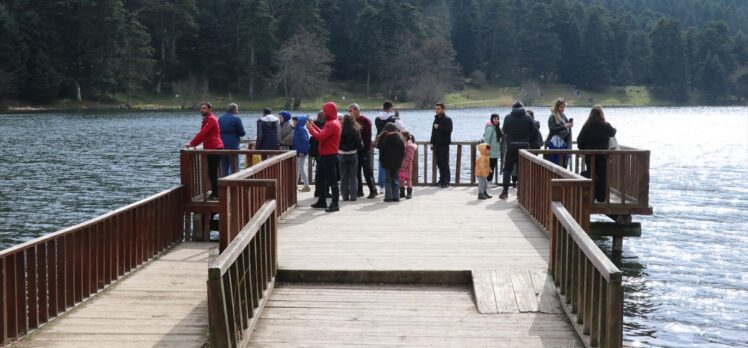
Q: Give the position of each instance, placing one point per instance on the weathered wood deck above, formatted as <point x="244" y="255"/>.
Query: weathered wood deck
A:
<point x="508" y="299"/>
<point x="163" y="304"/>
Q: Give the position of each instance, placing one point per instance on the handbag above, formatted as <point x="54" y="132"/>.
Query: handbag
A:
<point x="613" y="144"/>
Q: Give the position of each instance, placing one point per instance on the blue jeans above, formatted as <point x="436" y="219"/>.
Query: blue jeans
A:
<point x="226" y="169"/>
<point x="348" y="176"/>
<point x="380" y="172"/>
<point x="391" y="184"/>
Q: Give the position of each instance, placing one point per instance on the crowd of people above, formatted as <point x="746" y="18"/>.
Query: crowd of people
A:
<point x="341" y="147"/>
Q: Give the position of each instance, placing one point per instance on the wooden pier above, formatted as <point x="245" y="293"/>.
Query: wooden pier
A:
<point x="442" y="269"/>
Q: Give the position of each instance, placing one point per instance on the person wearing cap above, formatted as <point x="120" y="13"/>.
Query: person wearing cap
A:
<point x="329" y="145"/>
<point x="232" y="130"/>
<point x="285" y="137"/>
<point x="519" y="130"/>
<point x="210" y="137"/>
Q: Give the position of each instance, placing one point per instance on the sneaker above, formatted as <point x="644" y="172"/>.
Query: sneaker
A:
<point x="305" y="189"/>
<point x="504" y="195"/>
<point x="372" y="194"/>
<point x="482" y="196"/>
<point x="332" y="208"/>
<point x="319" y="205"/>
<point x="485" y="193"/>
<point x="213" y="197"/>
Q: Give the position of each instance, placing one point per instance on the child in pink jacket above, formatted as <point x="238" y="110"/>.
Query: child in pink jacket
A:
<point x="406" y="169"/>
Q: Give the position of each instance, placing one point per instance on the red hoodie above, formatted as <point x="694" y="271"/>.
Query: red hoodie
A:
<point x="209" y="135"/>
<point x="329" y="135"/>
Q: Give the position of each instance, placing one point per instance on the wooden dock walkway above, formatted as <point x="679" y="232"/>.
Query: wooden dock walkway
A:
<point x="162" y="304"/>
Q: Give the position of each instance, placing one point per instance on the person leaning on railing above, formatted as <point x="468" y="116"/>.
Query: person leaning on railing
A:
<point x="595" y="135"/>
<point x="210" y="137"/>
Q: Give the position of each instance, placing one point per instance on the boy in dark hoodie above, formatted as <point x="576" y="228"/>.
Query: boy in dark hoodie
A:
<point x="301" y="145"/>
<point x="329" y="142"/>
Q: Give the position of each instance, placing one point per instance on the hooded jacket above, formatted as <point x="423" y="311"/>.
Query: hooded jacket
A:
<point x="268" y="129"/>
<point x="231" y="130"/>
<point x="387" y="117"/>
<point x="406" y="168"/>
<point x="483" y="163"/>
<point x="329" y="136"/>
<point x="209" y="135"/>
<point x="286" y="129"/>
<point x="518" y="127"/>
<point x="300" y="136"/>
<point x="492" y="139"/>
<point x="391" y="151"/>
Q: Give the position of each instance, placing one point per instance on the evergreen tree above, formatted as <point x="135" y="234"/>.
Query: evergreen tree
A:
<point x="639" y="57"/>
<point x="540" y="46"/>
<point x="713" y="84"/>
<point x="669" y="69"/>
<point x="497" y="39"/>
<point x="465" y="34"/>
<point x="258" y="43"/>
<point x="135" y="63"/>
<point x="595" y="73"/>
<point x="11" y="54"/>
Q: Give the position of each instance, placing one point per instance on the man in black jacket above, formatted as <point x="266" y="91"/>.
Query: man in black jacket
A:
<point x="519" y="130"/>
<point x="441" y="137"/>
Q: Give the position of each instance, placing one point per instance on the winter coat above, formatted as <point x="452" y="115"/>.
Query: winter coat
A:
<point x="313" y="143"/>
<point x="443" y="134"/>
<point x="268" y="128"/>
<point x="350" y="140"/>
<point x="301" y="136"/>
<point x="209" y="135"/>
<point x="391" y="150"/>
<point x="286" y="129"/>
<point x="595" y="136"/>
<point x="365" y="124"/>
<point x="518" y="127"/>
<point x="329" y="136"/>
<point x="406" y="168"/>
<point x="231" y="130"/>
<point x="387" y="117"/>
<point x="492" y="139"/>
<point x="483" y="162"/>
<point x="559" y="129"/>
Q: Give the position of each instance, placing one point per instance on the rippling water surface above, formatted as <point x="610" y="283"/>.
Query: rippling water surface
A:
<point x="686" y="278"/>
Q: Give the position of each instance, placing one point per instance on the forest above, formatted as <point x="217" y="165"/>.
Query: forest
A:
<point x="416" y="50"/>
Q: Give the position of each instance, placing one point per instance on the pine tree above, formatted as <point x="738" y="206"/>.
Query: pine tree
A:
<point x="595" y="74"/>
<point x="669" y="69"/>
<point x="135" y="63"/>
<point x="540" y="46"/>
<point x="713" y="80"/>
<point x="465" y="34"/>
<point x="258" y="43"/>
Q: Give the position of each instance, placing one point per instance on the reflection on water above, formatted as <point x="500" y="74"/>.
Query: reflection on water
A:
<point x="685" y="279"/>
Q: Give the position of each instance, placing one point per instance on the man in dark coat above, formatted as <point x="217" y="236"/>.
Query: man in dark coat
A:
<point x="519" y="130"/>
<point x="441" y="137"/>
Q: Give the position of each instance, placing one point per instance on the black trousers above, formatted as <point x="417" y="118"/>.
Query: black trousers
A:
<point x="600" y="176"/>
<point x="364" y="167"/>
<point x="329" y="178"/>
<point x="510" y="160"/>
<point x="214" y="162"/>
<point x="441" y="156"/>
<point x="494" y="162"/>
<point x="318" y="182"/>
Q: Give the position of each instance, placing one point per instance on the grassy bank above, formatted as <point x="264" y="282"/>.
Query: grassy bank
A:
<point x="470" y="97"/>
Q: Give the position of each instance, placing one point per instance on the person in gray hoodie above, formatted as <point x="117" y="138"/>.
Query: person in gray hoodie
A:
<point x="285" y="137"/>
<point x="268" y="129"/>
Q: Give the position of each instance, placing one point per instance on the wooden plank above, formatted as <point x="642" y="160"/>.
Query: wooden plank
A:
<point x="524" y="291"/>
<point x="503" y="290"/>
<point x="545" y="292"/>
<point x="483" y="291"/>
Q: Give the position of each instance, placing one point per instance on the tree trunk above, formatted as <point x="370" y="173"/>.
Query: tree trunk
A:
<point x="78" y="96"/>
<point x="158" y="83"/>
<point x="252" y="72"/>
<point x="368" y="81"/>
<point x="296" y="103"/>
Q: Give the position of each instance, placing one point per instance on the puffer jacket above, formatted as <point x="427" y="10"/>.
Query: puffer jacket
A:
<point x="407" y="167"/>
<point x="492" y="139"/>
<point x="268" y="129"/>
<point x="286" y="129"/>
<point x="329" y="136"/>
<point x="391" y="150"/>
<point x="483" y="163"/>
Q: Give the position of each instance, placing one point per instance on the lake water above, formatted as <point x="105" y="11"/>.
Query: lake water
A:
<point x="686" y="278"/>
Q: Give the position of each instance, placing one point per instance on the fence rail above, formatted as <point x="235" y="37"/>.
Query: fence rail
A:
<point x="241" y="279"/>
<point x="46" y="276"/>
<point x="589" y="283"/>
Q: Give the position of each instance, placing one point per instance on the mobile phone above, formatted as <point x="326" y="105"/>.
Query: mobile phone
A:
<point x="571" y="120"/>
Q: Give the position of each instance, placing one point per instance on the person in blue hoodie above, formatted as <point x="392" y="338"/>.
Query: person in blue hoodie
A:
<point x="232" y="130"/>
<point x="301" y="144"/>
<point x="268" y="130"/>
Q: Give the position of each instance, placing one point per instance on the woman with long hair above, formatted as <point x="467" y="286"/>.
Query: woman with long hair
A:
<point x="350" y="144"/>
<point x="559" y="136"/>
<point x="595" y="135"/>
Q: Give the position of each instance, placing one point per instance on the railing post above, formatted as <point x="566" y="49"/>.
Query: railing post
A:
<point x="217" y="316"/>
<point x="614" y="311"/>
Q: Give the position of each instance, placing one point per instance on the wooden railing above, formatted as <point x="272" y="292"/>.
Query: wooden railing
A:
<point x="47" y="276"/>
<point x="194" y="168"/>
<point x="627" y="178"/>
<point x="241" y="279"/>
<point x="589" y="283"/>
<point x="539" y="179"/>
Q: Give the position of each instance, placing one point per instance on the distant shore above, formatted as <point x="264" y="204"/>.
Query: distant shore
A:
<point x="471" y="97"/>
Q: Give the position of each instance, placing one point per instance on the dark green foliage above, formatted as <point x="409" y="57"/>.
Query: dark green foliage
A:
<point x="97" y="49"/>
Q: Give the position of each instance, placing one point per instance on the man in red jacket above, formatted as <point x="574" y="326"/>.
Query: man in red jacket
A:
<point x="210" y="137"/>
<point x="329" y="140"/>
